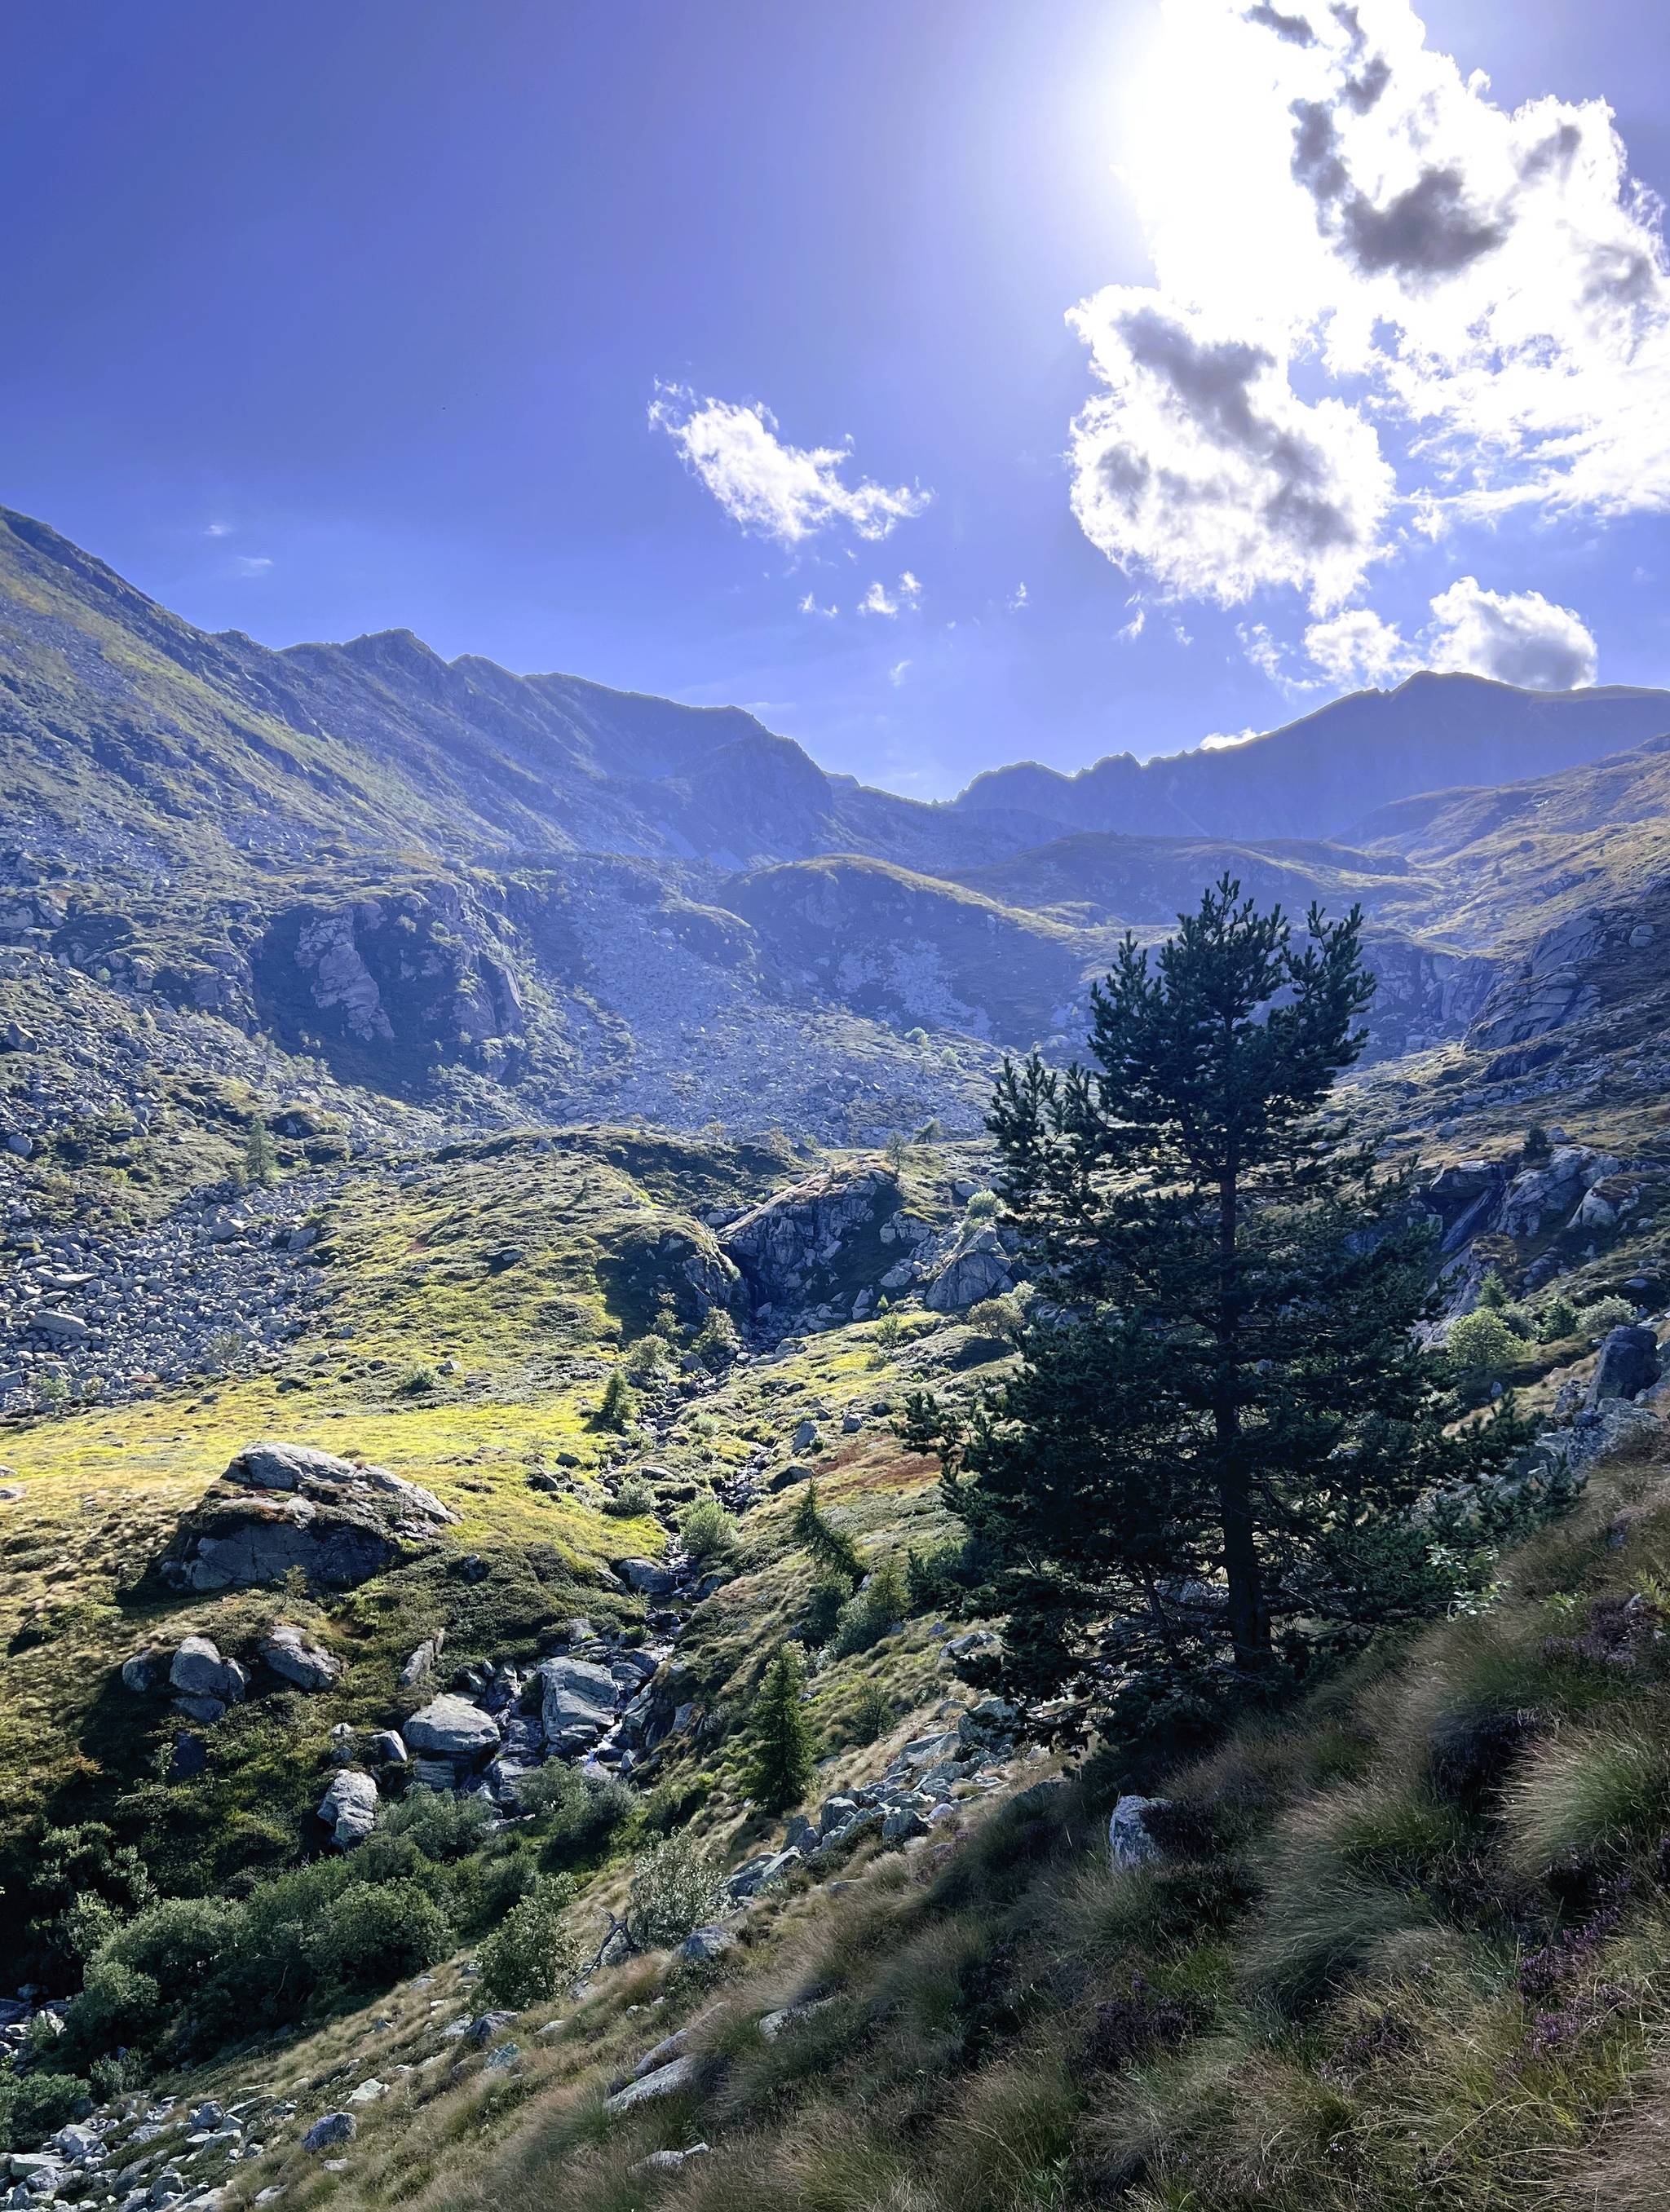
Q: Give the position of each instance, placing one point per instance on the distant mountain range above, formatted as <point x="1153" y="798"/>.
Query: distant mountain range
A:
<point x="547" y="895"/>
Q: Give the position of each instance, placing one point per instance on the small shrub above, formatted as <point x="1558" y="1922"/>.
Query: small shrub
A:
<point x="1004" y="1317"/>
<point x="872" y="1713"/>
<point x="618" y="1407"/>
<point x="650" y="1359"/>
<point x="36" y="2105"/>
<point x="1481" y="1343"/>
<point x="440" y="1826"/>
<point x="632" y="1499"/>
<point x="675" y="1888"/>
<point x="1605" y="1315"/>
<point x="1559" y="1320"/>
<point x="983" y="1205"/>
<point x="417" y="1382"/>
<point x="574" y="1809"/>
<point x="532" y="1957"/>
<point x="817" y="1623"/>
<point x="717" y="1342"/>
<point x="707" y="1532"/>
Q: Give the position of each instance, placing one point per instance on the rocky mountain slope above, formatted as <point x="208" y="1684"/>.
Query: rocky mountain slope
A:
<point x="494" y="897"/>
<point x="471" y="1207"/>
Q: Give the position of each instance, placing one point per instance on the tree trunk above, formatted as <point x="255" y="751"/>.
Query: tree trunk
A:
<point x="1249" y="1628"/>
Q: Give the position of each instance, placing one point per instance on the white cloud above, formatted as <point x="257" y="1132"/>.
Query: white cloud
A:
<point x="895" y="675"/>
<point x="879" y="600"/>
<point x="787" y="492"/>
<point x="1382" y="303"/>
<point x="1222" y="741"/>
<point x="1134" y="628"/>
<point x="809" y="606"/>
<point x="1357" y="649"/>
<point x="251" y="564"/>
<point x="217" y="530"/>
<point x="1199" y="464"/>
<point x="1017" y="598"/>
<point x="1517" y="637"/>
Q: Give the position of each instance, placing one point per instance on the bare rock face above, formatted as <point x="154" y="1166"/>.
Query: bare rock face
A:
<point x="819" y="1242"/>
<point x="451" y="1728"/>
<point x="1629" y="1363"/>
<point x="979" y="1268"/>
<point x="284" y="1506"/>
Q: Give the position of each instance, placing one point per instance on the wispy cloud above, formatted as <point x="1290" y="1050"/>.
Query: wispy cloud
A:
<point x="251" y="564"/>
<point x="809" y="606"/>
<point x="1017" y="598"/>
<point x="895" y="675"/>
<point x="764" y="484"/>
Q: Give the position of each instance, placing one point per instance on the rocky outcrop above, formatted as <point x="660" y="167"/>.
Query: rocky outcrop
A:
<point x="823" y="1248"/>
<point x="980" y="1265"/>
<point x="280" y="1508"/>
<point x="203" y="1683"/>
<point x="1629" y="1364"/>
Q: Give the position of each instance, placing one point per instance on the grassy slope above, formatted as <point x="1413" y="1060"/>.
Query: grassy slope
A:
<point x="1410" y="1947"/>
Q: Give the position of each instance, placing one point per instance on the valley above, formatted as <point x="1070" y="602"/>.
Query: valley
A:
<point x="484" y="1163"/>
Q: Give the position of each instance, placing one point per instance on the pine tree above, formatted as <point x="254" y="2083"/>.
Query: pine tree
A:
<point x="260" y="1156"/>
<point x="831" y="1548"/>
<point x="1207" y="1464"/>
<point x="619" y="1408"/>
<point x="782" y="1767"/>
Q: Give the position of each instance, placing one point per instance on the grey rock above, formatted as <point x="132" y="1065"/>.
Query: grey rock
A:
<point x="451" y="1728"/>
<point x="333" y="2129"/>
<point x="289" y="1651"/>
<point x="575" y="1694"/>
<point x="666" y="2081"/>
<point x="1629" y="1363"/>
<point x="199" y="1671"/>
<point x="348" y="1807"/>
<point x="702" y="1946"/>
<point x="1129" y="1843"/>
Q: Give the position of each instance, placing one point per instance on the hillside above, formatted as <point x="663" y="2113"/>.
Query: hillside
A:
<point x="482" y="1161"/>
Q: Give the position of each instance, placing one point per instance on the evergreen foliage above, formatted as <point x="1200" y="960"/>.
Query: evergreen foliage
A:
<point x="1206" y="1470"/>
<point x="832" y="1550"/>
<point x="780" y="1769"/>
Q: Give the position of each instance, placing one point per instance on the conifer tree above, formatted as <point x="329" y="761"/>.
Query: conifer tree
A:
<point x="260" y="1156"/>
<point x="830" y="1547"/>
<point x="1209" y="1461"/>
<point x="781" y="1766"/>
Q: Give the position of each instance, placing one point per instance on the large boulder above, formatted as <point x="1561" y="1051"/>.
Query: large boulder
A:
<point x="348" y="1807"/>
<point x="279" y="1507"/>
<point x="979" y="1267"/>
<point x="577" y="1701"/>
<point x="291" y="1652"/>
<point x="1130" y="1844"/>
<point x="451" y="1728"/>
<point x="1629" y="1363"/>
<point x="198" y="1672"/>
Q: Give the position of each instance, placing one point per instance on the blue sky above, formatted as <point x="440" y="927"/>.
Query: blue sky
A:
<point x="325" y="318"/>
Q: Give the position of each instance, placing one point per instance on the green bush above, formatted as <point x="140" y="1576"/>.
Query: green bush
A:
<point x="1558" y="1321"/>
<point x="1482" y="1344"/>
<point x="707" y="1532"/>
<point x="1004" y="1317"/>
<point x="618" y="1407"/>
<point x="633" y="1499"/>
<point x="375" y="1933"/>
<point x="574" y="1809"/>
<point x="532" y="1957"/>
<point x="717" y="1343"/>
<point x="650" y="1359"/>
<point x="817" y="1623"/>
<point x="675" y="1887"/>
<point x="983" y="1205"/>
<point x="441" y="1826"/>
<point x="34" y="2106"/>
<point x="1605" y="1315"/>
<point x="872" y="1713"/>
